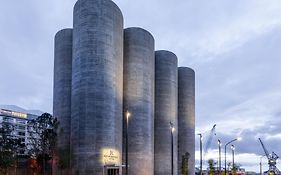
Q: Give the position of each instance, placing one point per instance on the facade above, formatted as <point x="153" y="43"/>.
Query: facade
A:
<point x="19" y="120"/>
<point x="186" y="118"/>
<point x="97" y="87"/>
<point x="166" y="108"/>
<point x="62" y="88"/>
<point x="138" y="98"/>
<point x="101" y="72"/>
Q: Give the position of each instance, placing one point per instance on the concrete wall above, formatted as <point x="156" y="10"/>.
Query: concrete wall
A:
<point x="88" y="95"/>
<point x="186" y="116"/>
<point x="139" y="73"/>
<point x="166" y="107"/>
<point x="97" y="85"/>
<point x="62" y="87"/>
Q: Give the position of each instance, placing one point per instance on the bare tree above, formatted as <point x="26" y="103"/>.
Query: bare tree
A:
<point x="9" y="147"/>
<point x="43" y="139"/>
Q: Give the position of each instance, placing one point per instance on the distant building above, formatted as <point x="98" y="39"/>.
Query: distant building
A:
<point x="18" y="118"/>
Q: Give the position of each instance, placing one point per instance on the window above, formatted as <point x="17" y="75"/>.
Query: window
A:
<point x="21" y="133"/>
<point x="21" y="127"/>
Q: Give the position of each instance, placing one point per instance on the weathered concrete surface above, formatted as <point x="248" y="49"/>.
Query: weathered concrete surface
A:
<point x="186" y="116"/>
<point x="97" y="84"/>
<point x="166" y="107"/>
<point x="62" y="87"/>
<point x="139" y="67"/>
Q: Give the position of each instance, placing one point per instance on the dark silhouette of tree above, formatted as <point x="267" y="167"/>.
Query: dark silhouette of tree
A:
<point x="184" y="165"/>
<point x="43" y="139"/>
<point x="211" y="163"/>
<point x="235" y="167"/>
<point x="9" y="147"/>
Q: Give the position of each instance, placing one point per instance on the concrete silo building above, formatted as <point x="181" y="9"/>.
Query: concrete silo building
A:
<point x="186" y="118"/>
<point x="100" y="72"/>
<point x="139" y="99"/>
<point x="97" y="87"/>
<point x="166" y="107"/>
<point x="62" y="88"/>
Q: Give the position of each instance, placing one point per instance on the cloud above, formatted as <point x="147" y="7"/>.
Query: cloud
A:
<point x="27" y="50"/>
<point x="253" y="20"/>
<point x="234" y="47"/>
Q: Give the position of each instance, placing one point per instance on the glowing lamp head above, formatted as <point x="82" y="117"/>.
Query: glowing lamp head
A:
<point x="128" y="114"/>
<point x="173" y="129"/>
<point x="239" y="138"/>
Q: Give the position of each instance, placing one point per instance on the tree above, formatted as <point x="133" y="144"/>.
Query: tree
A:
<point x="211" y="163"/>
<point x="184" y="165"/>
<point x="9" y="146"/>
<point x="235" y="167"/>
<point x="43" y="139"/>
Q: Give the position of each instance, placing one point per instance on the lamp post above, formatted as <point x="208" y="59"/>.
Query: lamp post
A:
<point x="200" y="136"/>
<point x="233" y="148"/>
<point x="225" y="151"/>
<point x="261" y="164"/>
<point x="172" y="147"/>
<point x="127" y="124"/>
<point x="219" y="143"/>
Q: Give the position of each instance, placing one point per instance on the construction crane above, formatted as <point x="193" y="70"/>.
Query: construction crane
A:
<point x="208" y="143"/>
<point x="272" y="158"/>
<point x="209" y="140"/>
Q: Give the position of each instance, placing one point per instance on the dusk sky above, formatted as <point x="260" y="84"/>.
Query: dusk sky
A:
<point x="233" y="46"/>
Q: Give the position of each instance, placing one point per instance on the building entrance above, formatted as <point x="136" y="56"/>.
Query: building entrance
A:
<point x="112" y="170"/>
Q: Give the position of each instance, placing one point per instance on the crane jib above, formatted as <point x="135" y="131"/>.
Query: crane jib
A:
<point x="272" y="158"/>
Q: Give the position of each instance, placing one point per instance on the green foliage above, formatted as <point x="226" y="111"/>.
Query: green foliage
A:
<point x="234" y="169"/>
<point x="43" y="133"/>
<point x="9" y="146"/>
<point x="211" y="166"/>
<point x="184" y="165"/>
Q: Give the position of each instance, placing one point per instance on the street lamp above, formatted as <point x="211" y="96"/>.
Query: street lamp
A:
<point x="127" y="115"/>
<point x="172" y="146"/>
<point x="239" y="138"/>
<point x="200" y="136"/>
<point x="219" y="143"/>
<point x="233" y="148"/>
<point x="261" y="164"/>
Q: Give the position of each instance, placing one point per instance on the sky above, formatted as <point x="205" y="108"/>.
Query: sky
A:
<point x="233" y="46"/>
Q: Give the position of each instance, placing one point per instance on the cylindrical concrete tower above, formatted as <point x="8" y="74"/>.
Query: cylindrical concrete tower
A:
<point x="139" y="64"/>
<point x="97" y="87"/>
<point x="166" y="107"/>
<point x="62" y="88"/>
<point x="186" y="118"/>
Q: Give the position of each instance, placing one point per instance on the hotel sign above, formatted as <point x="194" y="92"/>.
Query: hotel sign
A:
<point x="13" y="113"/>
<point x="110" y="157"/>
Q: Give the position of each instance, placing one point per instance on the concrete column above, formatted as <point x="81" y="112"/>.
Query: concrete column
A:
<point x="139" y="73"/>
<point x="62" y="90"/>
<point x="97" y="86"/>
<point x="186" y="116"/>
<point x="166" y="107"/>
